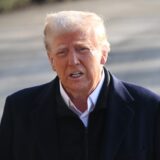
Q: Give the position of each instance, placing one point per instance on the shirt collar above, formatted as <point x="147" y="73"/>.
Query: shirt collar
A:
<point x="91" y="101"/>
<point x="94" y="95"/>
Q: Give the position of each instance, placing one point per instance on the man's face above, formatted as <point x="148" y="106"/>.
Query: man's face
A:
<point x="78" y="61"/>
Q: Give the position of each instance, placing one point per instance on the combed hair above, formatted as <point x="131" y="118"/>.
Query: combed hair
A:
<point x="71" y="21"/>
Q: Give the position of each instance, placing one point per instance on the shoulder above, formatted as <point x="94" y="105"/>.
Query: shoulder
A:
<point x="145" y="101"/>
<point x="142" y="97"/>
<point x="136" y="91"/>
<point x="29" y="93"/>
<point x="28" y="96"/>
<point x="141" y="92"/>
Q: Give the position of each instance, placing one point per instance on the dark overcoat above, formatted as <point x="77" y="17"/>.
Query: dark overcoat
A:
<point x="132" y="129"/>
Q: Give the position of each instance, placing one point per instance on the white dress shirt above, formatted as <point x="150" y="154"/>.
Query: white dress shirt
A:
<point x="91" y="101"/>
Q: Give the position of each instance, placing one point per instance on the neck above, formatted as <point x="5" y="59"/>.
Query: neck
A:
<point x="80" y="101"/>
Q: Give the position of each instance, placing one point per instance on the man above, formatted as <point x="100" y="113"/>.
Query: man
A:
<point x="85" y="113"/>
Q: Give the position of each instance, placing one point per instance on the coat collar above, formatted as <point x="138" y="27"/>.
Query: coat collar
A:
<point x="119" y="117"/>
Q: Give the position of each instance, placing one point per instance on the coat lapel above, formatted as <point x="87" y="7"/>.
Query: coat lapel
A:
<point x="119" y="117"/>
<point x="44" y="124"/>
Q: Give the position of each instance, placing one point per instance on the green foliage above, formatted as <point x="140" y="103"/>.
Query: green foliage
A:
<point x="6" y="5"/>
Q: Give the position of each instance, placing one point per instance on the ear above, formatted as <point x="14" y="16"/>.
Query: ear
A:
<point x="104" y="55"/>
<point x="50" y="57"/>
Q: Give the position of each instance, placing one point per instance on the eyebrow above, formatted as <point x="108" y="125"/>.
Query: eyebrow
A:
<point x="80" y="43"/>
<point x="60" y="47"/>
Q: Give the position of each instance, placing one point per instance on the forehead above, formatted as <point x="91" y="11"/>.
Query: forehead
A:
<point x="77" y="37"/>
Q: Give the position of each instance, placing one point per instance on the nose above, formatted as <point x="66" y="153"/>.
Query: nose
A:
<point x="73" y="58"/>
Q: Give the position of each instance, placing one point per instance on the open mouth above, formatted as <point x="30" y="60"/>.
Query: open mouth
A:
<point x="76" y="74"/>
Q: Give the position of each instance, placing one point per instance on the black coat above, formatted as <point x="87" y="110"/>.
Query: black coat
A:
<point x="132" y="132"/>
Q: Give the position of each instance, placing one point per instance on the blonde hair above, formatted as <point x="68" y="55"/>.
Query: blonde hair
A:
<point x="70" y="21"/>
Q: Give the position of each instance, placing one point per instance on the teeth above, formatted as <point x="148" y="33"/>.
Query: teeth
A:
<point x="76" y="74"/>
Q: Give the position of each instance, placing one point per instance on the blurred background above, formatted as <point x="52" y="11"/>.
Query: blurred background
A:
<point x="133" y="28"/>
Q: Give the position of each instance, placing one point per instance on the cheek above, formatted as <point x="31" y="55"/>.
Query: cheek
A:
<point x="96" y="67"/>
<point x="57" y="64"/>
<point x="92" y="63"/>
<point x="60" y="69"/>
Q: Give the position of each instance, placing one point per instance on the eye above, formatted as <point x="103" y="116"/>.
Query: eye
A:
<point x="83" y="49"/>
<point x="61" y="53"/>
